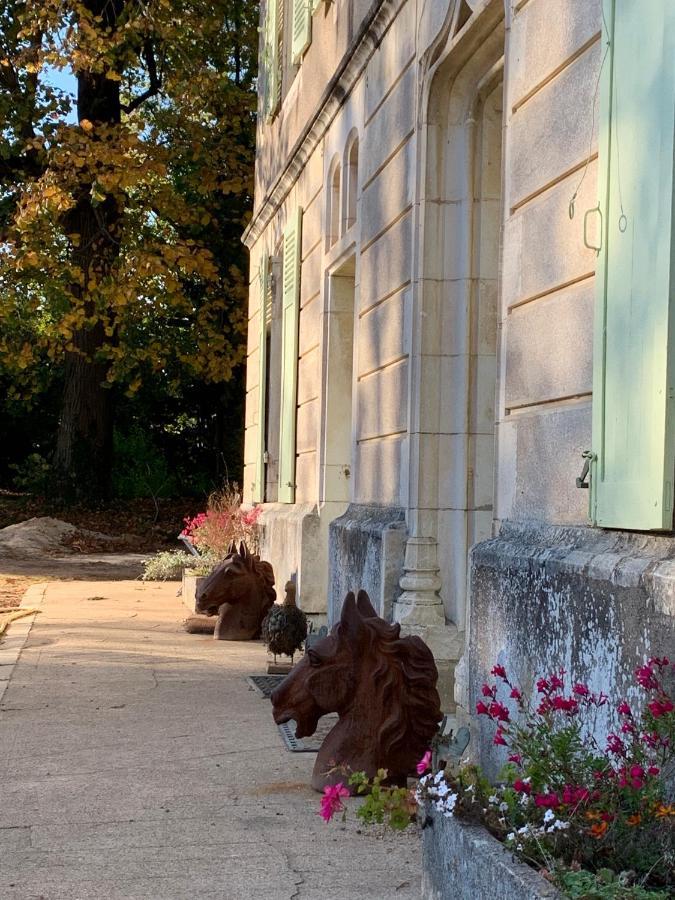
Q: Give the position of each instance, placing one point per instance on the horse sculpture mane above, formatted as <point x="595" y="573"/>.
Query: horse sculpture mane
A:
<point x="382" y="686"/>
<point x="240" y="591"/>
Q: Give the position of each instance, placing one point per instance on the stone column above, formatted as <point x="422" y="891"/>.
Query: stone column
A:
<point x="419" y="611"/>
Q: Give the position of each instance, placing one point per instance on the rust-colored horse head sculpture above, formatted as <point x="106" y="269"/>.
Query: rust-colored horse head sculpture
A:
<point x="240" y="591"/>
<point x="382" y="686"/>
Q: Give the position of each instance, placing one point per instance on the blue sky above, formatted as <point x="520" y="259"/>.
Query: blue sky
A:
<point x="65" y="81"/>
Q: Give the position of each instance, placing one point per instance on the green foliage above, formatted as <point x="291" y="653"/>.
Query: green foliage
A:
<point x="168" y="565"/>
<point x="603" y="885"/>
<point x="32" y="474"/>
<point x="141" y="470"/>
<point x="383" y="803"/>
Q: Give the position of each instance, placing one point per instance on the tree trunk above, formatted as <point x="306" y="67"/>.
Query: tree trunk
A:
<point x="83" y="457"/>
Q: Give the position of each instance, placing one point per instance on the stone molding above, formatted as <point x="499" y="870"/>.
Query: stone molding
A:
<point x="352" y="65"/>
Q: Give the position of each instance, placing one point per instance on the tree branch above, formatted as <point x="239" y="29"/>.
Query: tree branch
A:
<point x="155" y="80"/>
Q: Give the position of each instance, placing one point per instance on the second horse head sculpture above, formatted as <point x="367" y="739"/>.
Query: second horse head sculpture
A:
<point x="382" y="686"/>
<point x="240" y="591"/>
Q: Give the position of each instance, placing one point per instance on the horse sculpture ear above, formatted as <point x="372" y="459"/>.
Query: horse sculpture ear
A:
<point x="232" y="550"/>
<point x="350" y="618"/>
<point x="364" y="606"/>
<point x="243" y="550"/>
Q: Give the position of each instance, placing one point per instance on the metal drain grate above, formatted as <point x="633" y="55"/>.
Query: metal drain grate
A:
<point x="265" y="684"/>
<point x="298" y="745"/>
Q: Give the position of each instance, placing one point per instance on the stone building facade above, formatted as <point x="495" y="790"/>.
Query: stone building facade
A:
<point x="459" y="205"/>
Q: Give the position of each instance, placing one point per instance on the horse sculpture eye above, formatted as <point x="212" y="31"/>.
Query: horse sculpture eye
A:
<point x="314" y="658"/>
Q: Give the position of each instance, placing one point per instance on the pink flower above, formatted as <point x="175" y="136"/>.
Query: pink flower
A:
<point x="653" y="770"/>
<point x="331" y="802"/>
<point x="660" y="662"/>
<point x="499" y="738"/>
<point x="499" y="671"/>
<point x="581" y="690"/>
<point x="482" y="709"/>
<point x="571" y="795"/>
<point x="636" y="771"/>
<point x="488" y="691"/>
<point x="567" y="705"/>
<point x="516" y="758"/>
<point x="523" y="787"/>
<point x="515" y="694"/>
<point x="424" y="763"/>
<point x="557" y="682"/>
<point x="543" y="686"/>
<point x="499" y="711"/>
<point x="624" y="709"/>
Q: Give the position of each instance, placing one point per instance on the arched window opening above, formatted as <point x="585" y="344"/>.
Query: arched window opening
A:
<point x="352" y="184"/>
<point x="333" y="205"/>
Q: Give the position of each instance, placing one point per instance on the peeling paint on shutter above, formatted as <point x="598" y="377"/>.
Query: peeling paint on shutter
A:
<point x="302" y="27"/>
<point x="634" y="354"/>
<point x="262" y="288"/>
<point x="289" y="357"/>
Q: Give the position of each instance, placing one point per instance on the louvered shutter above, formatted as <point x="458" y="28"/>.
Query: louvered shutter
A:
<point x="272" y="73"/>
<point x="263" y="291"/>
<point x="634" y="384"/>
<point x="302" y="27"/>
<point x="289" y="357"/>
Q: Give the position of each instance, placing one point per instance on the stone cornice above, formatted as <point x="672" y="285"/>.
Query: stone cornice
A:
<point x="371" y="31"/>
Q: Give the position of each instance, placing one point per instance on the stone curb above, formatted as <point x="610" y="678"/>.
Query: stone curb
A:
<point x="17" y="635"/>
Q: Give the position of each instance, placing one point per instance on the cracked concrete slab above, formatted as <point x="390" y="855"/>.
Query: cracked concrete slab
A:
<point x="139" y="764"/>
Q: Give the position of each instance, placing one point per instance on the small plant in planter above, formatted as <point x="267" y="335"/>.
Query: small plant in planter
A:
<point x="224" y="523"/>
<point x="596" y="821"/>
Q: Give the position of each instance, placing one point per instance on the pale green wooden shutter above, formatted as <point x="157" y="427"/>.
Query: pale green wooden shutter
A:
<point x="634" y="385"/>
<point x="263" y="290"/>
<point x="272" y="72"/>
<point x="289" y="357"/>
<point x="302" y="27"/>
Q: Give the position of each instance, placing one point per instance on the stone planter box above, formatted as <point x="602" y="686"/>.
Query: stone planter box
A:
<point x="189" y="591"/>
<point x="464" y="862"/>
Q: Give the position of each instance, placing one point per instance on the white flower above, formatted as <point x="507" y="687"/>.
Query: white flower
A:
<point x="503" y="806"/>
<point x="493" y="799"/>
<point x="560" y="825"/>
<point x="470" y="788"/>
<point x="439" y="776"/>
<point x="511" y="836"/>
<point x="549" y="815"/>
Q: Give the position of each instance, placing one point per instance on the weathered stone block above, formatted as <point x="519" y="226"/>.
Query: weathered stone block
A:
<point x="390" y="125"/>
<point x="464" y="862"/>
<point x="310" y="325"/>
<point x="391" y="57"/>
<point x="378" y="470"/>
<point x="388" y="195"/>
<point x="582" y="599"/>
<point x="552" y="132"/>
<point x="549" y="347"/>
<point x="366" y="551"/>
<point x="543" y="247"/>
<point x="537" y="50"/>
<point x="307" y="434"/>
<point x="383" y="334"/>
<point x="382" y="402"/>
<point x="309" y="375"/>
<point x="386" y="266"/>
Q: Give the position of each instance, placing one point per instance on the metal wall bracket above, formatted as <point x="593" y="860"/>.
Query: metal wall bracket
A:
<point x="582" y="481"/>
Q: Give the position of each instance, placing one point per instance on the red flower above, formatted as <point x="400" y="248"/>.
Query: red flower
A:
<point x="556" y="682"/>
<point x="548" y="800"/>
<point x="488" y="691"/>
<point x="499" y="711"/>
<point x="516" y="758"/>
<point x="515" y="693"/>
<point x="499" y="738"/>
<point x="644" y="675"/>
<point x="543" y="686"/>
<point x="624" y="709"/>
<point x="653" y="770"/>
<point x="499" y="671"/>
<point x="482" y="709"/>
<point x="615" y="744"/>
<point x="660" y="662"/>
<point x="659" y="708"/>
<point x="581" y="690"/>
<point x="523" y="787"/>
<point x="568" y="705"/>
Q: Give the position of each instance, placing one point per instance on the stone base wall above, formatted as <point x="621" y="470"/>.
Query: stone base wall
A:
<point x="291" y="542"/>
<point x="366" y="550"/>
<point x="592" y="602"/>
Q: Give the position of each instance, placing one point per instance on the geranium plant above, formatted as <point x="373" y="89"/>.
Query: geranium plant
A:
<point x="582" y="813"/>
<point x="224" y="522"/>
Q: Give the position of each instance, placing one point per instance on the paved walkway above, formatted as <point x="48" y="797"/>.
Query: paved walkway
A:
<point x="138" y="764"/>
